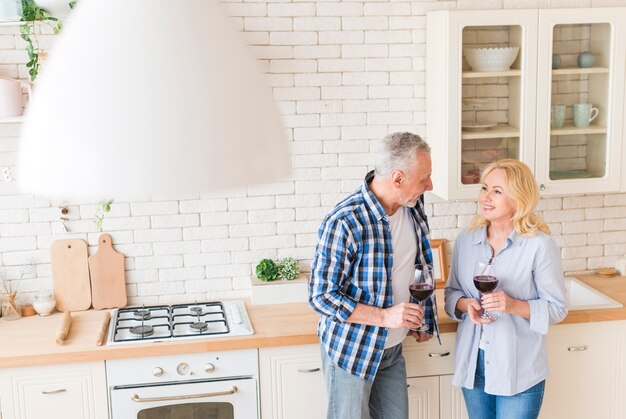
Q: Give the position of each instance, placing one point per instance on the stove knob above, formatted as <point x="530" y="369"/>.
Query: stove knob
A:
<point x="209" y="368"/>
<point x="182" y="369"/>
<point x="157" y="371"/>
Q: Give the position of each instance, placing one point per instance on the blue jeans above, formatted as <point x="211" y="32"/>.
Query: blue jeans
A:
<point x="352" y="397"/>
<point x="480" y="405"/>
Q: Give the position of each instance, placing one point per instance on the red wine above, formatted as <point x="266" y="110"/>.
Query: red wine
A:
<point x="421" y="291"/>
<point x="485" y="283"/>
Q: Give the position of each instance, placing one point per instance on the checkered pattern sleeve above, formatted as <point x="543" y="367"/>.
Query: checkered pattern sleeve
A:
<point x="331" y="266"/>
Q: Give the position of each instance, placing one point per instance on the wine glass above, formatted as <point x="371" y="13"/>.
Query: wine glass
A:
<point x="485" y="281"/>
<point x="422" y="287"/>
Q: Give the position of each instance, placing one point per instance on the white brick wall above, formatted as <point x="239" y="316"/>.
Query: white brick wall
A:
<point x="344" y="74"/>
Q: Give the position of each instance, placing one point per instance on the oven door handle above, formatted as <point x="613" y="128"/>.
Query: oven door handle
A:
<point x="138" y="399"/>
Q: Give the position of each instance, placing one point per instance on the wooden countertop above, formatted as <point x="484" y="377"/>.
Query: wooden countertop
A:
<point x="31" y="340"/>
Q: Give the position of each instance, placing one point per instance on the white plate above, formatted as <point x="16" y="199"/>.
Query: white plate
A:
<point x="477" y="126"/>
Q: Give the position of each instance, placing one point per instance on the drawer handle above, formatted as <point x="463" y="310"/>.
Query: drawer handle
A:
<point x="309" y="370"/>
<point x="577" y="348"/>
<point x="61" y="390"/>
<point x="438" y="354"/>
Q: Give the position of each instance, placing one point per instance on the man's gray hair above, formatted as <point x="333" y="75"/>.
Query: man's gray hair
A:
<point x="399" y="151"/>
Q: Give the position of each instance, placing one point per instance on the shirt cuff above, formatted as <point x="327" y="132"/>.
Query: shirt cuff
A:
<point x="450" y="305"/>
<point x="345" y="310"/>
<point x="539" y="319"/>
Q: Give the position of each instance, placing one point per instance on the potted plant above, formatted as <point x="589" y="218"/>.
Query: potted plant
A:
<point x="32" y="13"/>
<point x="265" y="289"/>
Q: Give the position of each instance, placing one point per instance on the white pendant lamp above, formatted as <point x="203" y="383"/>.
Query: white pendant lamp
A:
<point x="147" y="97"/>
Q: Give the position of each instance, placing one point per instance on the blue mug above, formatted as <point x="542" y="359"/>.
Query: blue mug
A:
<point x="584" y="113"/>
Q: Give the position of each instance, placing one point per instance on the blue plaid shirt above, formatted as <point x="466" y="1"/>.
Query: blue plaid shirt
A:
<point x="352" y="264"/>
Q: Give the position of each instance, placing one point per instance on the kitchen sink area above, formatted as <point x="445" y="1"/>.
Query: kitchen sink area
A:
<point x="580" y="296"/>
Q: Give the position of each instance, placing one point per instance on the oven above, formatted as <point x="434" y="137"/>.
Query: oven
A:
<point x="220" y="385"/>
<point x="216" y="385"/>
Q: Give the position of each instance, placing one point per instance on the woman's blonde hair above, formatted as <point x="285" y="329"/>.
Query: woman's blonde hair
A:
<point x="521" y="187"/>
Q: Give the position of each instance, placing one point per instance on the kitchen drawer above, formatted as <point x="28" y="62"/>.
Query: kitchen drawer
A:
<point x="423" y="359"/>
<point x="65" y="391"/>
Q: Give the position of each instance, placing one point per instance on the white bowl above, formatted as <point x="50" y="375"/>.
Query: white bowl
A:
<point x="490" y="59"/>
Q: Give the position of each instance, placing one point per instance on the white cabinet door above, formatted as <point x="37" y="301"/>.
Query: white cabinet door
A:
<point x="423" y="398"/>
<point x="292" y="383"/>
<point x="477" y="117"/>
<point x="451" y="400"/>
<point x="68" y="391"/>
<point x="574" y="159"/>
<point x="587" y="371"/>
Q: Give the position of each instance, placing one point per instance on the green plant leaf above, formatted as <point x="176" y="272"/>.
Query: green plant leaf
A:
<point x="266" y="270"/>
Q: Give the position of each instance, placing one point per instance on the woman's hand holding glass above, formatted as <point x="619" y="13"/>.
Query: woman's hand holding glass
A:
<point x="485" y="281"/>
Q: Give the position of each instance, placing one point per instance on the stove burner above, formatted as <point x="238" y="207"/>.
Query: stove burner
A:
<point x="197" y="310"/>
<point x="142" y="314"/>
<point x="143" y="330"/>
<point x="199" y="326"/>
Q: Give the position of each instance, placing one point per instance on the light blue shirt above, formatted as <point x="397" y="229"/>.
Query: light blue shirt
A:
<point x="528" y="268"/>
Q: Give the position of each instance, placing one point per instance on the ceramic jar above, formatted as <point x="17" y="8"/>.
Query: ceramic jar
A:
<point x="585" y="59"/>
<point x="44" y="303"/>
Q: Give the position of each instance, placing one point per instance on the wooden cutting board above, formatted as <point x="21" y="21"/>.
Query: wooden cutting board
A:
<point x="108" y="281"/>
<point x="70" y="274"/>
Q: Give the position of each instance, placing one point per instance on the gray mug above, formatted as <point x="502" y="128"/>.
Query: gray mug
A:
<point x="584" y="113"/>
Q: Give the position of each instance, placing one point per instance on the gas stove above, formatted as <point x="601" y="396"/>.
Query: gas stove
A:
<point x="179" y="321"/>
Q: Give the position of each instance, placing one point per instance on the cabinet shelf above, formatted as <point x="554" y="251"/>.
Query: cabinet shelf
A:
<point x="485" y="74"/>
<point x="572" y="130"/>
<point x="499" y="131"/>
<point x="575" y="70"/>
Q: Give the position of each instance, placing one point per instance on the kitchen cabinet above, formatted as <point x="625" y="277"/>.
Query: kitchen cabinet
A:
<point x="67" y="391"/>
<point x="587" y="369"/>
<point x="423" y="397"/>
<point x="292" y="383"/>
<point x="477" y="117"/>
<point x="452" y="404"/>
<point x="429" y="370"/>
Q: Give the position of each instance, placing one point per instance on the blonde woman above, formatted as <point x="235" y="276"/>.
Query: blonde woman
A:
<point x="501" y="362"/>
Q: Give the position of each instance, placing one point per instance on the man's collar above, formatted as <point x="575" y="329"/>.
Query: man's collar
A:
<point x="370" y="198"/>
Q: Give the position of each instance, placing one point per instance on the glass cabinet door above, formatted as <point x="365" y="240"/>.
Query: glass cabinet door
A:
<point x="578" y="113"/>
<point x="490" y="97"/>
<point x="581" y="87"/>
<point x="481" y="94"/>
